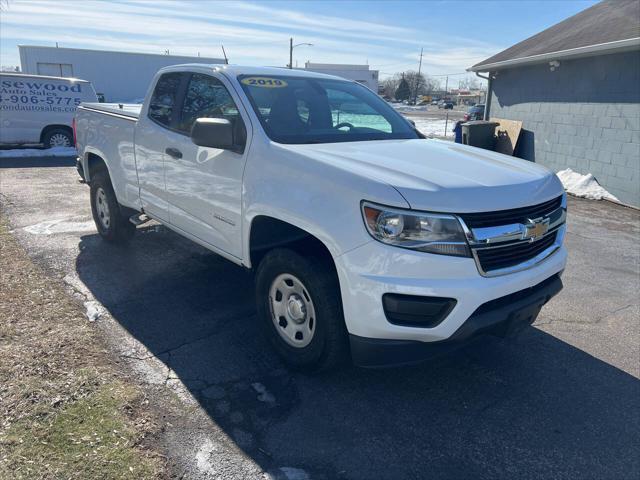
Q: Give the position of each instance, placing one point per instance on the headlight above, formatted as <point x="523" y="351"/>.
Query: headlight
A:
<point x="427" y="232"/>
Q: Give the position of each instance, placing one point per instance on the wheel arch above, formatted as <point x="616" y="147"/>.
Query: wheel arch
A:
<point x="266" y="232"/>
<point x="93" y="161"/>
<point x="55" y="126"/>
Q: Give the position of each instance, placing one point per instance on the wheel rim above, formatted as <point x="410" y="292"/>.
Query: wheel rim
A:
<point x="292" y="310"/>
<point x="102" y="208"/>
<point x="59" y="140"/>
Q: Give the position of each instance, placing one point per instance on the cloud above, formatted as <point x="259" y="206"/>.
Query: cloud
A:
<point x="252" y="33"/>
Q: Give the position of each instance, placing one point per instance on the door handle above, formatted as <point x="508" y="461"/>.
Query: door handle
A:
<point x="173" y="152"/>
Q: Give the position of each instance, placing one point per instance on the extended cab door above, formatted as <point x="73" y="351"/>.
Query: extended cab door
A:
<point x="154" y="133"/>
<point x="204" y="185"/>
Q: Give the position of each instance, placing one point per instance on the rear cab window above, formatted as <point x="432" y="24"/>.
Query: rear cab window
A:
<point x="163" y="105"/>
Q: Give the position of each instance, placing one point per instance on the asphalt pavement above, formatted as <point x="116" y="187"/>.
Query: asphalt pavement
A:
<point x="560" y="401"/>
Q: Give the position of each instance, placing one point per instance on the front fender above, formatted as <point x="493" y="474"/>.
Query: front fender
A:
<point x="319" y="198"/>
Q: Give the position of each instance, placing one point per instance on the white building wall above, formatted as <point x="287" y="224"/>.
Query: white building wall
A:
<point x="359" y="73"/>
<point x="120" y="76"/>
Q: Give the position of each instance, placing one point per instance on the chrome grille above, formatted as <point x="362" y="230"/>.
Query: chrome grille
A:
<point x="509" y="241"/>
<point x="514" y="215"/>
<point x="499" y="257"/>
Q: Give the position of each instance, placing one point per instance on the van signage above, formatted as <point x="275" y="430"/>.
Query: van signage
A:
<point x="30" y="95"/>
<point x="39" y="86"/>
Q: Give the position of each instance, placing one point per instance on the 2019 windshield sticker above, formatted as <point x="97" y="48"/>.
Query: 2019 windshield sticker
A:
<point x="264" y="82"/>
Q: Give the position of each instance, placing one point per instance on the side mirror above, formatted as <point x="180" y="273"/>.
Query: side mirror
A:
<point x="213" y="132"/>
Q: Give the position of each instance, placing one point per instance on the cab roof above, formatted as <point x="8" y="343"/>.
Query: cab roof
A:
<point x="235" y="70"/>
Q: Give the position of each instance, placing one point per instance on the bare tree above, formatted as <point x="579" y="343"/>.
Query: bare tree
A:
<point x="425" y="84"/>
<point x="470" y="83"/>
<point x="390" y="85"/>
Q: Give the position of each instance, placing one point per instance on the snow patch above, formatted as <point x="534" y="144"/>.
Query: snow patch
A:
<point x="203" y="457"/>
<point x="37" y="152"/>
<point x="50" y="227"/>
<point x="585" y="186"/>
<point x="431" y="127"/>
<point x="94" y="310"/>
<point x="409" y="108"/>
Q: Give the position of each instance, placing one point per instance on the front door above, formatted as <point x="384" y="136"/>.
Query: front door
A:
<point x="204" y="185"/>
<point x="154" y="132"/>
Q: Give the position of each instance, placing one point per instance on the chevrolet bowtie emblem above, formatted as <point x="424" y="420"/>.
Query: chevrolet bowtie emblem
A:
<point x="535" y="229"/>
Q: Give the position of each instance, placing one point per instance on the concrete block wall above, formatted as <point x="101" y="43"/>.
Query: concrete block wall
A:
<point x="584" y="115"/>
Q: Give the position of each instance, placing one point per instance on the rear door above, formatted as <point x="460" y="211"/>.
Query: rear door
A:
<point x="204" y="185"/>
<point x="155" y="132"/>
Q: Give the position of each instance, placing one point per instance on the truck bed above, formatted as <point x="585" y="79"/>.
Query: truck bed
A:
<point x="131" y="110"/>
<point x="107" y="130"/>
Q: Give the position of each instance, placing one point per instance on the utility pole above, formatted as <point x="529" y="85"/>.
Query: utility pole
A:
<point x="446" y="87"/>
<point x="291" y="47"/>
<point x="415" y="94"/>
<point x="291" y="52"/>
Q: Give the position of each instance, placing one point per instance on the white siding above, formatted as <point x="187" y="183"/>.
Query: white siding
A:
<point x="359" y="73"/>
<point x="120" y="76"/>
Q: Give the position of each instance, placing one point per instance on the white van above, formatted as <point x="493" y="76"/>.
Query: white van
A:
<point x="40" y="109"/>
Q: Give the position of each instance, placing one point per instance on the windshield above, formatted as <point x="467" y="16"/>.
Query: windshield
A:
<point x="315" y="110"/>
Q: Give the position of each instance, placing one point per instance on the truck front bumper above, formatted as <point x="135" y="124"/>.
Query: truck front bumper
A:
<point x="482" y="304"/>
<point x="502" y="317"/>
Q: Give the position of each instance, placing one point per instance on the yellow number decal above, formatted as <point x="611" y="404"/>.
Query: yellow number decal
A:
<point x="264" y="82"/>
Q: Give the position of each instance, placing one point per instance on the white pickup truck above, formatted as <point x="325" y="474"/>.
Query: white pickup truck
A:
<point x="367" y="240"/>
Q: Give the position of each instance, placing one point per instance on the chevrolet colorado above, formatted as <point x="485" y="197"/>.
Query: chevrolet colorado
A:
<point x="367" y="240"/>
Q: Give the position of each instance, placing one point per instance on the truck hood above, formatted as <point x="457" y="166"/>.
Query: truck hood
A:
<point x="442" y="176"/>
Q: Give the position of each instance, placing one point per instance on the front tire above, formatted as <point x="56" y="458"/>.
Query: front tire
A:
<point x="299" y="306"/>
<point x="113" y="226"/>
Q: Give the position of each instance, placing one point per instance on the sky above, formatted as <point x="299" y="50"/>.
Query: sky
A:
<point x="385" y="34"/>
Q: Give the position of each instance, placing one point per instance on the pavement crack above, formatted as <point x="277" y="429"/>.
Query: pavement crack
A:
<point x="604" y="317"/>
<point x="184" y="344"/>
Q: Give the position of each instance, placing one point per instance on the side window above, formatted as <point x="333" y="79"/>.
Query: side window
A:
<point x="207" y="97"/>
<point x="303" y="110"/>
<point x="345" y="108"/>
<point x="162" y="106"/>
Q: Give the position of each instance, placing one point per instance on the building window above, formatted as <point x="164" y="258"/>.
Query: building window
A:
<point x="55" y="69"/>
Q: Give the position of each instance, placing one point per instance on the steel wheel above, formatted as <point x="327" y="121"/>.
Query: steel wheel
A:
<point x="102" y="208"/>
<point x="292" y="310"/>
<point x="59" y="140"/>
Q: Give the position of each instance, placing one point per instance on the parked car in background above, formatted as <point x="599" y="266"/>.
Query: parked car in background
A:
<point x="475" y="112"/>
<point x="40" y="109"/>
<point x="367" y="241"/>
<point x="446" y="104"/>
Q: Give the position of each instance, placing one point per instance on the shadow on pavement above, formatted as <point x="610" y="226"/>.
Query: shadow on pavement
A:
<point x="525" y="408"/>
<point x="33" y="162"/>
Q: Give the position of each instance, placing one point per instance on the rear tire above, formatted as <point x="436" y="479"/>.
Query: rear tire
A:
<point x="113" y="226"/>
<point x="300" y="308"/>
<point x="58" y="137"/>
